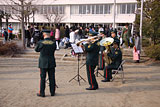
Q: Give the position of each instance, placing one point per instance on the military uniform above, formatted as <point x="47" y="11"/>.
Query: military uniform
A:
<point x="116" y="57"/>
<point x="92" y="50"/>
<point x="47" y="62"/>
<point x="101" y="64"/>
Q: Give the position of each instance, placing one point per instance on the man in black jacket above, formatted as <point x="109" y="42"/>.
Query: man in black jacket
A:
<point x="116" y="57"/>
<point x="47" y="62"/>
<point x="92" y="50"/>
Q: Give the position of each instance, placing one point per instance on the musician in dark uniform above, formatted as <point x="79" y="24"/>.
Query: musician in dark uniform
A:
<point x="113" y="35"/>
<point x="47" y="63"/>
<point x="101" y="61"/>
<point x="116" y="57"/>
<point x="92" y="49"/>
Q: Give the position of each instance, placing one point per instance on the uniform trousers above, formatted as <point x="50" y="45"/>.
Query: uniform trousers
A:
<point x="51" y="76"/>
<point x="91" y="76"/>
<point x="108" y="71"/>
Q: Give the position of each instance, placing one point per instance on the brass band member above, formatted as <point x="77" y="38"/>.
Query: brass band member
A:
<point x="47" y="63"/>
<point x="101" y="61"/>
<point x="116" y="57"/>
<point x="92" y="49"/>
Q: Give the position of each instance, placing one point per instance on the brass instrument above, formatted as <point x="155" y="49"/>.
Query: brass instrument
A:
<point x="91" y="39"/>
<point x="107" y="43"/>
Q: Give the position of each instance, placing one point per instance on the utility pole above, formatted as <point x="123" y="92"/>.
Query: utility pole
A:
<point x="114" y="25"/>
<point x="141" y="20"/>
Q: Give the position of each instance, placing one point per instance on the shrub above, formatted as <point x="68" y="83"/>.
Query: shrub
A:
<point x="145" y="42"/>
<point x="153" y="51"/>
<point x="9" y="48"/>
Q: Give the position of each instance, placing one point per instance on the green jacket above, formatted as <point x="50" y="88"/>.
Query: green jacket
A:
<point x="126" y="33"/>
<point x="46" y="48"/>
<point x="92" y="50"/>
<point x="116" y="56"/>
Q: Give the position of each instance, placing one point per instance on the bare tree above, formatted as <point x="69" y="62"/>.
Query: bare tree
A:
<point x="54" y="17"/>
<point x="25" y="10"/>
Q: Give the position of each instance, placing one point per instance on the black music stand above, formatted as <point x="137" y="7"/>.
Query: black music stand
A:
<point x="78" y="51"/>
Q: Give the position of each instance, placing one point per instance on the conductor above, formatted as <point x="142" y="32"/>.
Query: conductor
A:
<point x="47" y="63"/>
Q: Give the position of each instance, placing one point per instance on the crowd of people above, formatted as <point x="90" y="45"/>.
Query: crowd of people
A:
<point x="7" y="34"/>
<point x="75" y="34"/>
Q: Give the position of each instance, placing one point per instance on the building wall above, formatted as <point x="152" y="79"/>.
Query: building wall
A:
<point x="70" y="9"/>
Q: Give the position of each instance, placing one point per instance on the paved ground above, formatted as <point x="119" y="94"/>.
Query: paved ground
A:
<point x="19" y="83"/>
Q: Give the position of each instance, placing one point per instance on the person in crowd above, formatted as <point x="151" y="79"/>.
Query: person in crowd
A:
<point x="106" y="31"/>
<point x="137" y="47"/>
<point x="110" y="30"/>
<point x="67" y="31"/>
<point x="93" y="32"/>
<point x="52" y="34"/>
<point x="5" y="34"/>
<point x="126" y="34"/>
<point x="100" y="30"/>
<point x="57" y="34"/>
<point x="28" y="36"/>
<point x="77" y="36"/>
<point x="86" y="31"/>
<point x="72" y="36"/>
<point x="32" y="34"/>
<point x="116" y="57"/>
<point x="10" y="30"/>
<point x="92" y="49"/>
<point x="80" y="32"/>
<point x="47" y="63"/>
<point x="113" y="35"/>
<point x="41" y="33"/>
<point x="36" y="36"/>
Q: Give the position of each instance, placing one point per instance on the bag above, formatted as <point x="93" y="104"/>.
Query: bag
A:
<point x="135" y="55"/>
<point x="57" y="46"/>
<point x="32" y="40"/>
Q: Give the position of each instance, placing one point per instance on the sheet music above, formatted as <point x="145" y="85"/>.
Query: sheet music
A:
<point x="77" y="49"/>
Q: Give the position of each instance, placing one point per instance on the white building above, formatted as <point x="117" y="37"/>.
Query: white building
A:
<point x="81" y="12"/>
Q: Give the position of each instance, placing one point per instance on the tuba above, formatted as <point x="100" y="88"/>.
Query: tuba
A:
<point x="106" y="42"/>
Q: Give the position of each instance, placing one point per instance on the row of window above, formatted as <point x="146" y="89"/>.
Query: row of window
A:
<point x="49" y="9"/>
<point x="103" y="9"/>
<point x="91" y="9"/>
<point x="76" y="9"/>
<point x="126" y="8"/>
<point x="41" y="9"/>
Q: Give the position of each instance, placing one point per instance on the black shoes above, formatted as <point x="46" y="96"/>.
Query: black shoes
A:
<point x="40" y="95"/>
<point x="94" y="88"/>
<point x="52" y="94"/>
<point x="105" y="80"/>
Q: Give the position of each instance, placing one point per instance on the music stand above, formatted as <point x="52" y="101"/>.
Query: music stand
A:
<point x="78" y="50"/>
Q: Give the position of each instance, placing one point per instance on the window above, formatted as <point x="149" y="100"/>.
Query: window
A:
<point x="133" y="8"/>
<point x="101" y="9"/>
<point x="93" y="9"/>
<point x="123" y="7"/>
<point x="84" y="9"/>
<point x="80" y="9"/>
<point x="88" y="9"/>
<point x="97" y="9"/>
<point x="61" y="11"/>
<point x="107" y="9"/>
<point x="74" y="9"/>
<point x="126" y="8"/>
<point x="45" y="10"/>
<point x="49" y="9"/>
